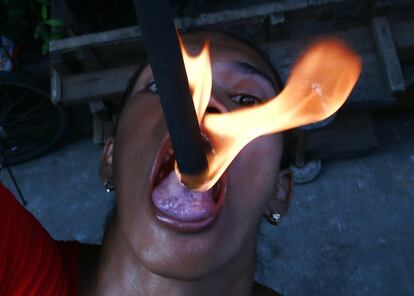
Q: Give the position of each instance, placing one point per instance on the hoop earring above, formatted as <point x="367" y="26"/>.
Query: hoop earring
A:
<point x="274" y="218"/>
<point x="109" y="186"/>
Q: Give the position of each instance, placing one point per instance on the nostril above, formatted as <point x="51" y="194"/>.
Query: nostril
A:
<point x="213" y="110"/>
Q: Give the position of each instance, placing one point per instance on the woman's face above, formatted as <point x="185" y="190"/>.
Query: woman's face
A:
<point x="187" y="247"/>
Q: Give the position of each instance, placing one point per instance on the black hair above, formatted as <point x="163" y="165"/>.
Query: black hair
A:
<point x="243" y="38"/>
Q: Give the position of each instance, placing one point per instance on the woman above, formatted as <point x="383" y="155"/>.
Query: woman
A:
<point x="162" y="239"/>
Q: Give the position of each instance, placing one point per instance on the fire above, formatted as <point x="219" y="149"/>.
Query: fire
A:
<point x="318" y="86"/>
<point x="200" y="78"/>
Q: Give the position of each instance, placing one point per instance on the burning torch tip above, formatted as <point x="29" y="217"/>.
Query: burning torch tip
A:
<point x="194" y="182"/>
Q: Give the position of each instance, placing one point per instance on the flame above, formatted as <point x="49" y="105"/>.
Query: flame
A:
<point x="318" y="86"/>
<point x="200" y="79"/>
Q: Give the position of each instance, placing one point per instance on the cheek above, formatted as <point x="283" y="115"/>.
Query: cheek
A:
<point x="254" y="172"/>
<point x="140" y="133"/>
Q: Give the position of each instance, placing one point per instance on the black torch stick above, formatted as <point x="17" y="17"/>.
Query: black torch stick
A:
<point x="161" y="41"/>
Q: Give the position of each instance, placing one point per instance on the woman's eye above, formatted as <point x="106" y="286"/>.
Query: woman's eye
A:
<point x="152" y="87"/>
<point x="245" y="100"/>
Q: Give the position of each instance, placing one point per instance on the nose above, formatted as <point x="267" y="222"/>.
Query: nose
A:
<point x="219" y="101"/>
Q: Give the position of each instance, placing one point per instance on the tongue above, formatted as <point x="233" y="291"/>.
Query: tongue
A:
<point x="176" y="201"/>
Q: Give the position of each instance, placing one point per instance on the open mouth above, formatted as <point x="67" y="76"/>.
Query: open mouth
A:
<point x="177" y="206"/>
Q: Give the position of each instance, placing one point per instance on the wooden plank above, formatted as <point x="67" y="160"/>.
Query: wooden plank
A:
<point x="206" y="19"/>
<point x="98" y="107"/>
<point x="58" y="62"/>
<point x="103" y="128"/>
<point x="388" y="54"/>
<point x="97" y="130"/>
<point x="121" y="54"/>
<point x="132" y="51"/>
<point x="56" y="87"/>
<point x="101" y="121"/>
<point x="73" y="43"/>
<point x="274" y="21"/>
<point x="88" y="60"/>
<point x="402" y="32"/>
<point x="371" y="87"/>
<point x="96" y="85"/>
<point x="103" y="125"/>
<point x="232" y="15"/>
<point x="111" y="83"/>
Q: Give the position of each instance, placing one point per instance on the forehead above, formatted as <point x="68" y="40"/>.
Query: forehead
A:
<point x="224" y="49"/>
<point x="225" y="52"/>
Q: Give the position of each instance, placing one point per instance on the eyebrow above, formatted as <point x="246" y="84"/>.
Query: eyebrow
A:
<point x="246" y="68"/>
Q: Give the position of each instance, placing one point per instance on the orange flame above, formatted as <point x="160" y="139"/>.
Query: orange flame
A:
<point x="318" y="86"/>
<point x="199" y="78"/>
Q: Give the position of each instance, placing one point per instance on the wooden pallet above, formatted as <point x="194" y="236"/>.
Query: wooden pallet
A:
<point x="81" y="61"/>
<point x="97" y="67"/>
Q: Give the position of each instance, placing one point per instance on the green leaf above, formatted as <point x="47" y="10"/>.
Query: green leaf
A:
<point x="45" y="47"/>
<point x="54" y="23"/>
<point x="43" y="35"/>
<point x="44" y="13"/>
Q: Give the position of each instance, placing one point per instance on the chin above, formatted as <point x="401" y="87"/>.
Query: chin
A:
<point x="179" y="234"/>
<point x="187" y="267"/>
<point x="176" y="233"/>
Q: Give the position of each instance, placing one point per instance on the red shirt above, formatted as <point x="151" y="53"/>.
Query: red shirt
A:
<point x="31" y="262"/>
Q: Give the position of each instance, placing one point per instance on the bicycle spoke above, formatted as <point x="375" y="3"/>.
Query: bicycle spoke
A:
<point x="30" y="139"/>
<point x="42" y="127"/>
<point x="35" y="120"/>
<point x="17" y="102"/>
<point x="32" y="123"/>
<point x="23" y="116"/>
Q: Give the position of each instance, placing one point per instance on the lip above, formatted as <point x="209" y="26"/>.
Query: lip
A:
<point x="173" y="223"/>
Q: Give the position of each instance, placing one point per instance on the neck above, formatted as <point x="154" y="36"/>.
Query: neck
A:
<point x="120" y="273"/>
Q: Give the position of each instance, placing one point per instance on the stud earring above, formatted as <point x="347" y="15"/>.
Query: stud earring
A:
<point x="274" y="218"/>
<point x="109" y="186"/>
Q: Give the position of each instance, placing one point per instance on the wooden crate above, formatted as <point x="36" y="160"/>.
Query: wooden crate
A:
<point x="97" y="67"/>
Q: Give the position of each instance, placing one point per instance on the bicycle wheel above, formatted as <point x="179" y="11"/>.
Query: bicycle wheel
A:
<point x="32" y="124"/>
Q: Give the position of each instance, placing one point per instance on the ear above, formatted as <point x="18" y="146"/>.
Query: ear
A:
<point x="106" y="171"/>
<point x="282" y="195"/>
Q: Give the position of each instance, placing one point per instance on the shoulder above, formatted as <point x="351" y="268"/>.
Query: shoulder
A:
<point x="261" y="290"/>
<point x="28" y="254"/>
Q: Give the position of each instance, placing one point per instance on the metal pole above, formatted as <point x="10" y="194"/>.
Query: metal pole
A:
<point x="161" y="41"/>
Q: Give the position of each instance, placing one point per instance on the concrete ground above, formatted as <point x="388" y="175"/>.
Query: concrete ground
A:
<point x="350" y="232"/>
